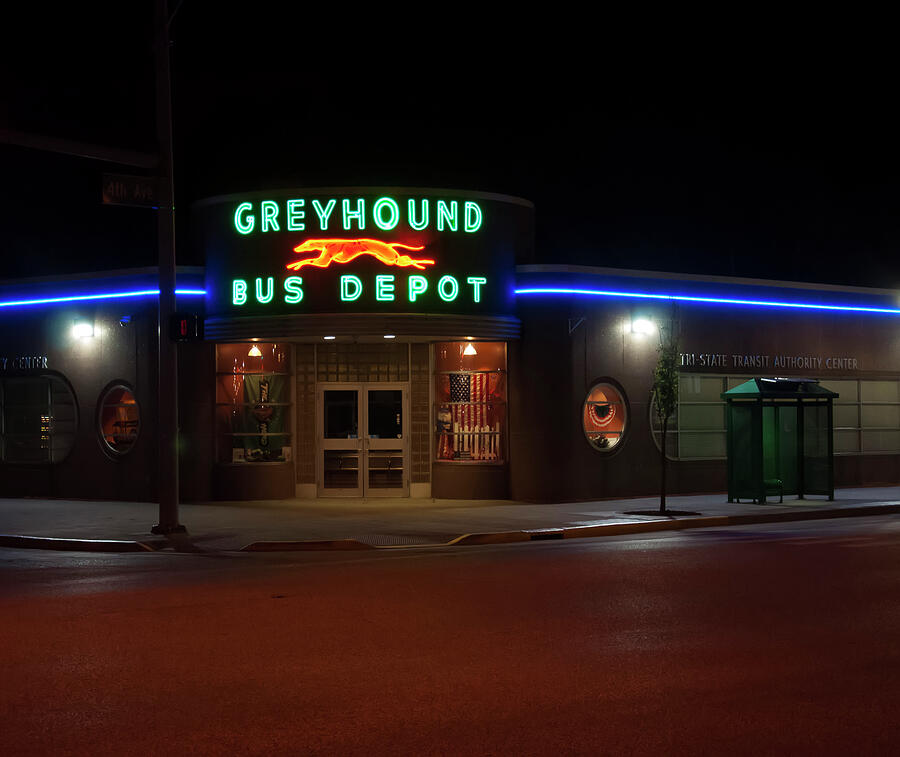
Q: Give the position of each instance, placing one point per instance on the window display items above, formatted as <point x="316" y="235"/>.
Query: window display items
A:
<point x="604" y="417"/>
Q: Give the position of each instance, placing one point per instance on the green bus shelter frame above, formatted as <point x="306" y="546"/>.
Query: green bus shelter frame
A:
<point x="779" y="439"/>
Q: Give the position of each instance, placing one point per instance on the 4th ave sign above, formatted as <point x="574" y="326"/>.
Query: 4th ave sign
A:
<point x="134" y="191"/>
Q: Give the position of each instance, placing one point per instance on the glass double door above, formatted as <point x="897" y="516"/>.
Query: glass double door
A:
<point x="362" y="440"/>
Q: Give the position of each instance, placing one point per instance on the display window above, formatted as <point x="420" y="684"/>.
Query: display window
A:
<point x="470" y="402"/>
<point x="119" y="419"/>
<point x="253" y="403"/>
<point x="39" y="419"/>
<point x="604" y="417"/>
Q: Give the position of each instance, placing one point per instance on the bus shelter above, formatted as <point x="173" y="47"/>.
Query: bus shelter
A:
<point x="779" y="439"/>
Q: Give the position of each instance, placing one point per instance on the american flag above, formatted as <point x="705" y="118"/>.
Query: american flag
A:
<point x="469" y="419"/>
<point x="460" y="388"/>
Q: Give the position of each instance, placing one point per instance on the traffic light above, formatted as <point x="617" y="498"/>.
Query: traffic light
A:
<point x="186" y="327"/>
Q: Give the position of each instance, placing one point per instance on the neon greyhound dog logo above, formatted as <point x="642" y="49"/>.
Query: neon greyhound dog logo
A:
<point x="345" y="250"/>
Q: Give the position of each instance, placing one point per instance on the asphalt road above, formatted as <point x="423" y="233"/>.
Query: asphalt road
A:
<point x="757" y="640"/>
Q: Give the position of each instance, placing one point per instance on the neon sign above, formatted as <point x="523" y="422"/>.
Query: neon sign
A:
<point x="351" y="288"/>
<point x="385" y="214"/>
<point x="344" y="250"/>
<point x="363" y="250"/>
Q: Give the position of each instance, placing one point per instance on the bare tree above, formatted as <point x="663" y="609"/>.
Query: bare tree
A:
<point x="665" y="394"/>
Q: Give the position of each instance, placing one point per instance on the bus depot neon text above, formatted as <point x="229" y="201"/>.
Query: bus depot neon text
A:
<point x="351" y="288"/>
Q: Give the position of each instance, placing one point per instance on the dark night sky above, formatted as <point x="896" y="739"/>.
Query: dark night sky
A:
<point x="770" y="158"/>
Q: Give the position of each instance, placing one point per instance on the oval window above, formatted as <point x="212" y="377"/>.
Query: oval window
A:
<point x="120" y="419"/>
<point x="604" y="417"/>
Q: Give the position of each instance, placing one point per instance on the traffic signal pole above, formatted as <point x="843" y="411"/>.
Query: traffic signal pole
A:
<point x="167" y="480"/>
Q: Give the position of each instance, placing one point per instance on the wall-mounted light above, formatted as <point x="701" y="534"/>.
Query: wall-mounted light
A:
<point x="82" y="328"/>
<point x="389" y="336"/>
<point x="470" y="349"/>
<point x="642" y="326"/>
<point x="254" y="352"/>
<point x="328" y="337"/>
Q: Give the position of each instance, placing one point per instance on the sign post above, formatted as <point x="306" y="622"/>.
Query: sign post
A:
<point x="168" y="365"/>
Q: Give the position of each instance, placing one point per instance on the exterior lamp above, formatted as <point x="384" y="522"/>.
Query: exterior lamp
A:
<point x="642" y="326"/>
<point x="254" y="352"/>
<point x="82" y="328"/>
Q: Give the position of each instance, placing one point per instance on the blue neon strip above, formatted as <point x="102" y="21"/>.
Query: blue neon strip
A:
<point x="103" y="296"/>
<point x="713" y="300"/>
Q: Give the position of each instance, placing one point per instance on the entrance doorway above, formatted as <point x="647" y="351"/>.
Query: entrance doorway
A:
<point x="363" y="447"/>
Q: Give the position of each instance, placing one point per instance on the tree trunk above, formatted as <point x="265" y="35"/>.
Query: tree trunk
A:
<point x="662" y="485"/>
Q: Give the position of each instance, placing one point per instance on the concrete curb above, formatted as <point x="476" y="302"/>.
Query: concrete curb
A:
<point x="500" y="537"/>
<point x="672" y="524"/>
<point x="602" y="529"/>
<point x="72" y="545"/>
<point x="296" y="546"/>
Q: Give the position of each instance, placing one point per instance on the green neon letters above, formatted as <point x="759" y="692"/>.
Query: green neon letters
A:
<point x="349" y="215"/>
<point x="292" y="290"/>
<point x="244" y="222"/>
<point x="384" y="288"/>
<point x="476" y="282"/>
<point x="378" y="215"/>
<point x="442" y="288"/>
<point x="295" y="215"/>
<point x="385" y="213"/>
<point x="417" y="285"/>
<point x="270" y="290"/>
<point x="323" y="213"/>
<point x="238" y="292"/>
<point x="473" y="217"/>
<point x="268" y="209"/>
<point x="447" y="213"/>
<point x="420" y="223"/>
<point x="351" y="287"/>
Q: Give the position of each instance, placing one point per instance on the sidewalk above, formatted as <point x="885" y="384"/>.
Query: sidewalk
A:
<point x="355" y="523"/>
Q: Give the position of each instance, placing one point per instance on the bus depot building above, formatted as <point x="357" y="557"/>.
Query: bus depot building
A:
<point x="404" y="343"/>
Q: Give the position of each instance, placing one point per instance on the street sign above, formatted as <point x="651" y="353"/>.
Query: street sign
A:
<point x="136" y="191"/>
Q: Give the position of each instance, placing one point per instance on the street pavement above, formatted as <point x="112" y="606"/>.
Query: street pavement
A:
<point x="780" y="639"/>
<point x="396" y="522"/>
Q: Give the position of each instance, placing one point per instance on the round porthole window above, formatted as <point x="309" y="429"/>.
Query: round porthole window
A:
<point x="604" y="417"/>
<point x="120" y="419"/>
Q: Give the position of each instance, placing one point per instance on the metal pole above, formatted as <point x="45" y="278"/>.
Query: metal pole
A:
<point x="168" y="358"/>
